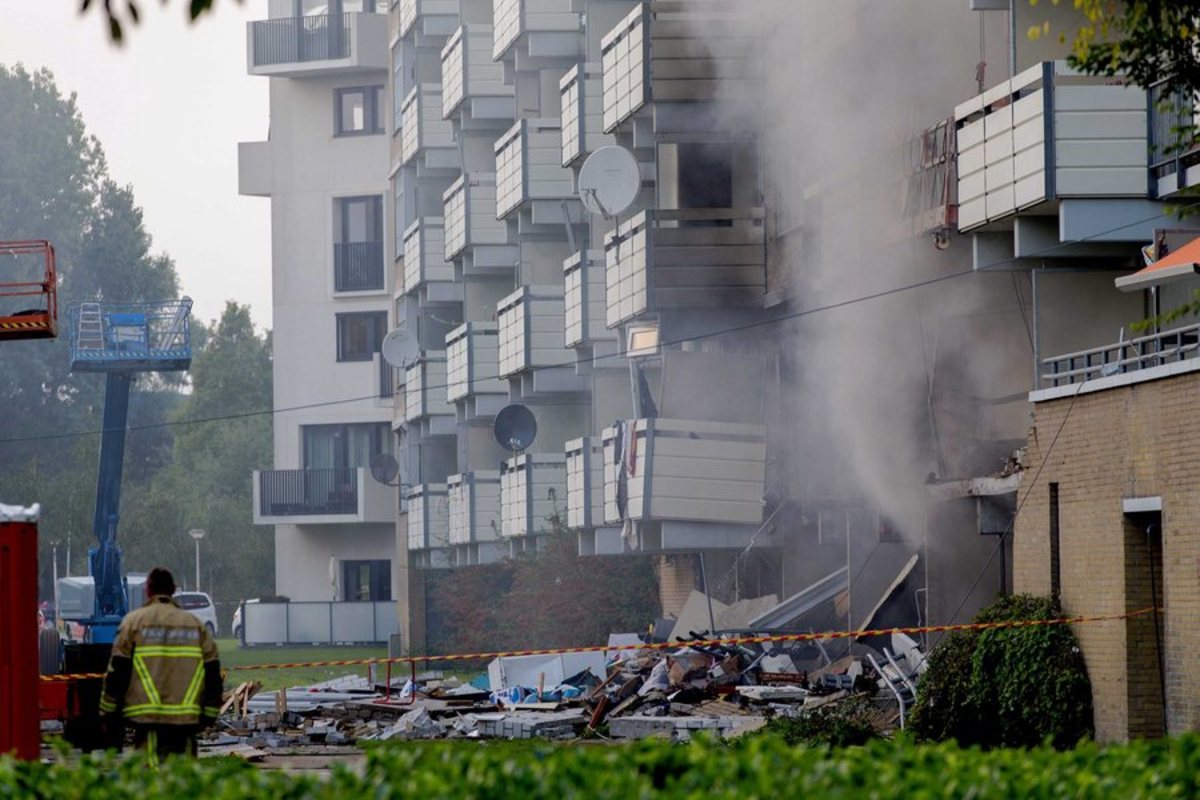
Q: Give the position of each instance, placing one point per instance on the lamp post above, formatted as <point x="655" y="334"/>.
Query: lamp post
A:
<point x="197" y="534"/>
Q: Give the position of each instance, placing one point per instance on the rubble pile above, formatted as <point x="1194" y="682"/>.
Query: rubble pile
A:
<point x="721" y="686"/>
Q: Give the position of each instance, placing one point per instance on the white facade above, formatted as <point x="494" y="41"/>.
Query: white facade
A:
<point x="324" y="168"/>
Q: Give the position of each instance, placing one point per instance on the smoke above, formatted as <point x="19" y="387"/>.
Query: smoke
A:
<point x="891" y="392"/>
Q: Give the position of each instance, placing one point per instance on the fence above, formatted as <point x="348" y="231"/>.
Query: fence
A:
<point x="294" y="39"/>
<point x="358" y="266"/>
<point x="290" y="492"/>
<point x="1155" y="350"/>
<point x="318" y="623"/>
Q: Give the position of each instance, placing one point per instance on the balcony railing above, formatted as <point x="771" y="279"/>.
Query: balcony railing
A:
<point x="1156" y="350"/>
<point x="685" y="258"/>
<point x="308" y="492"/>
<point x="389" y="378"/>
<point x="358" y="266"/>
<point x="296" y="39"/>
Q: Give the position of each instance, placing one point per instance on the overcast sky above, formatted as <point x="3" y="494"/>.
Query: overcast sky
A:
<point x="169" y="108"/>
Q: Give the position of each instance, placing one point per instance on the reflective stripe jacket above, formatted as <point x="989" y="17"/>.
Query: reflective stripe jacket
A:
<point x="164" y="668"/>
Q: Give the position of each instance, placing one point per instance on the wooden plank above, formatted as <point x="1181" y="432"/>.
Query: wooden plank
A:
<point x="707" y="298"/>
<point x="680" y="466"/>
<point x="688" y="488"/>
<point x="734" y="256"/>
<point x="706" y="510"/>
<point x="685" y="277"/>
<point x="710" y="236"/>
<point x="710" y="449"/>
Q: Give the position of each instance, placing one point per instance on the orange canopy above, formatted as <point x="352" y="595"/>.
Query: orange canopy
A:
<point x="1174" y="266"/>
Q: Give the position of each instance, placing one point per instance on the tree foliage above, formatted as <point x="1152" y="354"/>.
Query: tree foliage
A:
<point x="1007" y="687"/>
<point x="119" y="19"/>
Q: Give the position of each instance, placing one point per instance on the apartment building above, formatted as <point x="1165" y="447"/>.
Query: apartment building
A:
<point x="324" y="168"/>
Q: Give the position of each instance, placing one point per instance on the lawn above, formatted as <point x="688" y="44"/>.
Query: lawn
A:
<point x="234" y="655"/>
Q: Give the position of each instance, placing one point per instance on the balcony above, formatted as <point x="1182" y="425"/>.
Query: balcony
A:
<point x="475" y="518"/>
<point x="584" y="308"/>
<point x="472" y="83"/>
<point x="685" y="259"/>
<point x="473" y="234"/>
<point x="321" y="497"/>
<point x="1144" y="358"/>
<point x="358" y="266"/>
<point x="550" y="28"/>
<point x="531" y="322"/>
<point x="428" y="517"/>
<point x="673" y="52"/>
<point x="426" y="272"/>
<point x="312" y="46"/>
<point x="389" y="378"/>
<point x="529" y="169"/>
<point x="580" y="94"/>
<point x="423" y="132"/>
<point x="685" y="470"/>
<point x="427" y="19"/>
<point x="1049" y="134"/>
<point x="532" y="488"/>
<point x="585" y="483"/>
<point x="472" y="364"/>
<point x="426" y="411"/>
<point x="1174" y="149"/>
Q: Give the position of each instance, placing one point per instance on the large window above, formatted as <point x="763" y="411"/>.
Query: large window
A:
<point x="358" y="244"/>
<point x="358" y="110"/>
<point x="360" y="334"/>
<point x="364" y="581"/>
<point x="344" y="446"/>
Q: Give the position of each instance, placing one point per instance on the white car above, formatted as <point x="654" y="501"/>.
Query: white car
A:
<point x="236" y="626"/>
<point x="200" y="605"/>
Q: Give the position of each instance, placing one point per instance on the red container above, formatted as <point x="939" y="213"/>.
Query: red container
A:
<point x="19" y="714"/>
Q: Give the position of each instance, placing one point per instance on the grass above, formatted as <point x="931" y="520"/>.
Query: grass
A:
<point x="234" y="655"/>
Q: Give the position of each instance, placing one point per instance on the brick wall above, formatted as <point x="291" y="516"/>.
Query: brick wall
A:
<point x="1133" y="441"/>
<point x="676" y="580"/>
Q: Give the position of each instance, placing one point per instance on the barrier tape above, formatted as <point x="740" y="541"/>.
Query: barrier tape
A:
<point x="767" y="638"/>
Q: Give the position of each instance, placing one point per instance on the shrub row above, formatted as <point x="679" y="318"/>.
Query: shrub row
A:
<point x="757" y="767"/>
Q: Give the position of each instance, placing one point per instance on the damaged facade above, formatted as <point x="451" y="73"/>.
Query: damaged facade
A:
<point x="799" y="365"/>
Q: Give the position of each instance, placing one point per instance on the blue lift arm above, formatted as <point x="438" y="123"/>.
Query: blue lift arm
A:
<point x="104" y="558"/>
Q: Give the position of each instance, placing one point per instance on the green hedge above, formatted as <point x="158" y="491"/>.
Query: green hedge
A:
<point x="757" y="767"/>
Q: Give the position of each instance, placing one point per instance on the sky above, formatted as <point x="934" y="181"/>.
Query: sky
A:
<point x="169" y="107"/>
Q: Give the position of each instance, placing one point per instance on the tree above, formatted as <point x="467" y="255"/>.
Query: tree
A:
<point x="132" y="15"/>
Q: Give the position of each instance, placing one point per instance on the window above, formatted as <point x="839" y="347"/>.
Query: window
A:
<point x="344" y="446"/>
<point x="367" y="581"/>
<point x="358" y="244"/>
<point x="1055" y="552"/>
<point x="358" y="110"/>
<point x="360" y="334"/>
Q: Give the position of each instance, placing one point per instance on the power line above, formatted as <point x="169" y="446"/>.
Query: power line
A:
<point x="992" y="267"/>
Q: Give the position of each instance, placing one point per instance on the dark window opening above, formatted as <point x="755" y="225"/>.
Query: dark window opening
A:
<point x="344" y="446"/>
<point x="358" y="110"/>
<point x="360" y="334"/>
<point x="1055" y="557"/>
<point x="358" y="243"/>
<point x="367" y="581"/>
<point x="705" y="175"/>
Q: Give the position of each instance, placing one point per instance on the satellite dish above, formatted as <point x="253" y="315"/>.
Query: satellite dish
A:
<point x="609" y="181"/>
<point x="400" y="349"/>
<point x="384" y="468"/>
<point x="515" y="428"/>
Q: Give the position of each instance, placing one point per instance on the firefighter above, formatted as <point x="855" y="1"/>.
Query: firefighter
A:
<point x="164" y="679"/>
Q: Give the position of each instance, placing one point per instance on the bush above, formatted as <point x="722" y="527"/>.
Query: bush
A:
<point x="763" y="766"/>
<point x="1007" y="687"/>
<point x="839" y="724"/>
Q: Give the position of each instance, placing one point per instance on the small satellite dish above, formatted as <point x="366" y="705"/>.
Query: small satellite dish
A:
<point x="400" y="349"/>
<point x="384" y="468"/>
<point x="609" y="181"/>
<point x="515" y="428"/>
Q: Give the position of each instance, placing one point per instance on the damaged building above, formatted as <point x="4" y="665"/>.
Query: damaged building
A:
<point x="797" y="363"/>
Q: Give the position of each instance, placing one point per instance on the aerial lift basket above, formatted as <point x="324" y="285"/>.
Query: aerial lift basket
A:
<point x="28" y="308"/>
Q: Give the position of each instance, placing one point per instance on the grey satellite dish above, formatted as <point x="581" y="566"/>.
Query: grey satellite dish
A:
<point x="609" y="181"/>
<point x="515" y="428"/>
<point x="400" y="349"/>
<point x="384" y="468"/>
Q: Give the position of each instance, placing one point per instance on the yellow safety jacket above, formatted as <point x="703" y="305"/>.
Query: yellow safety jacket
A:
<point x="164" y="668"/>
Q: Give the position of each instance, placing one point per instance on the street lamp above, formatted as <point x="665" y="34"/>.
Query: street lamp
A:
<point x="197" y="534"/>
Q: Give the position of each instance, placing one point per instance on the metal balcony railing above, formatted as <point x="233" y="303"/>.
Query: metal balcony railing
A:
<point x="308" y="492"/>
<point x="358" y="266"/>
<point x="1124" y="357"/>
<point x="1173" y="132"/>
<point x="389" y="378"/>
<point x="296" y="39"/>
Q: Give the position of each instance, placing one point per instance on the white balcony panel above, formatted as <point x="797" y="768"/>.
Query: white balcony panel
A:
<point x="506" y="25"/>
<point x="424" y="254"/>
<point x="421" y="124"/>
<point x="532" y="488"/>
<point x="582" y="101"/>
<point x="472" y="361"/>
<point x="1099" y="132"/>
<point x="528" y="165"/>
<point x="254" y="169"/>
<point x="531" y="330"/>
<point x="468" y="70"/>
<point x="425" y="388"/>
<point x="428" y="517"/>
<point x="685" y="470"/>
<point x="474" y="507"/>
<point x="585" y="310"/>
<point x="513" y="18"/>
<point x="585" y="483"/>
<point x="318" y="46"/>
<point x="626" y="67"/>
<point x="470" y="215"/>
<point x="433" y="13"/>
